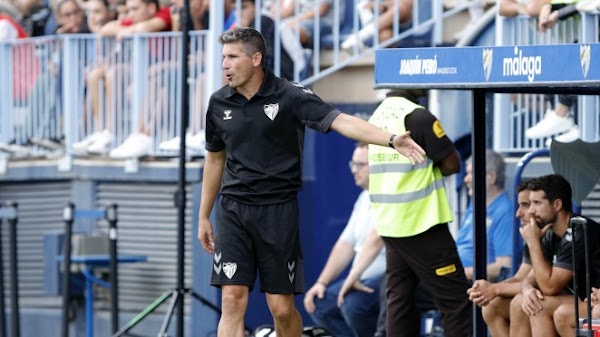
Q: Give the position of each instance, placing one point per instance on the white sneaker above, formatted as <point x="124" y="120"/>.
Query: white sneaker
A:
<point x="172" y="144"/>
<point x="352" y="42"/>
<point x="193" y="142"/>
<point x="551" y="124"/>
<point x="87" y="141"/>
<point x="365" y="14"/>
<point x="136" y="145"/>
<point x="16" y="149"/>
<point x="102" y="144"/>
<point x="197" y="142"/>
<point x="570" y="136"/>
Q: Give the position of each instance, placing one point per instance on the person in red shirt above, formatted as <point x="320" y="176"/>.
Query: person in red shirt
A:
<point x="12" y="15"/>
<point x="144" y="16"/>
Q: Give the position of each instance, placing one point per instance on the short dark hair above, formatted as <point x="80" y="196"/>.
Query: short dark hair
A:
<point x="555" y="187"/>
<point x="524" y="185"/>
<point x="252" y="41"/>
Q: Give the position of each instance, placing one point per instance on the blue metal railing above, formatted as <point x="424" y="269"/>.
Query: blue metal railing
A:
<point x="68" y="87"/>
<point x="513" y="114"/>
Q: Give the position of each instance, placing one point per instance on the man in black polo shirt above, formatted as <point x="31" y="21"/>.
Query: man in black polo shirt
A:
<point x="549" y="251"/>
<point x="254" y="140"/>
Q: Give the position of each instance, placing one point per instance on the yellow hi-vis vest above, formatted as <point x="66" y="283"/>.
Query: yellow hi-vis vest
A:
<point x="406" y="199"/>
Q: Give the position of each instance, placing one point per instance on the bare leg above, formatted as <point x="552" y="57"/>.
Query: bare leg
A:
<point x="542" y="323"/>
<point x="497" y="316"/>
<point x="94" y="77"/>
<point x="235" y="302"/>
<point x="564" y="318"/>
<point x="519" y="320"/>
<point x="404" y="9"/>
<point x="287" y="319"/>
<point x="562" y="110"/>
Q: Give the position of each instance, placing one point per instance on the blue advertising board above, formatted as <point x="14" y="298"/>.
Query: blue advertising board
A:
<point x="569" y="65"/>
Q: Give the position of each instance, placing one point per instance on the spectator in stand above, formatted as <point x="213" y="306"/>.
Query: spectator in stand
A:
<point x="511" y="8"/>
<point x="499" y="221"/>
<point x="144" y="16"/>
<point x="14" y="25"/>
<point x="14" y="16"/>
<point x="494" y="298"/>
<point x="99" y="14"/>
<point x="199" y="16"/>
<point x="358" y="315"/>
<point x="302" y="25"/>
<point x="230" y="14"/>
<point x="121" y="9"/>
<point x="384" y="26"/>
<point x="558" y="121"/>
<point x="267" y="29"/>
<point x="70" y="18"/>
<point x="198" y="10"/>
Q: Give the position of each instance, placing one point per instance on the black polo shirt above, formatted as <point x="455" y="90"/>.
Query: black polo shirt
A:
<point x="558" y="252"/>
<point x="263" y="138"/>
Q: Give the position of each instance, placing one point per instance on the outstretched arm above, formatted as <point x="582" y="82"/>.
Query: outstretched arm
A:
<point x="360" y="130"/>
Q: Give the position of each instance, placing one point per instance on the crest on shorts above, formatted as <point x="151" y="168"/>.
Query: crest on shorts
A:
<point x="271" y="110"/>
<point x="229" y="268"/>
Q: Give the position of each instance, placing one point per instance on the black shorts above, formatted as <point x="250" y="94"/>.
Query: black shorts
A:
<point x="264" y="238"/>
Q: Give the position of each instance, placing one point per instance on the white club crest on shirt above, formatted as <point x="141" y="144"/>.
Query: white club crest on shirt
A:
<point x="227" y="114"/>
<point x="229" y="268"/>
<point x="271" y="110"/>
<point x="569" y="235"/>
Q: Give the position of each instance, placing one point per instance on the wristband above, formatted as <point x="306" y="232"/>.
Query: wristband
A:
<point x="391" y="142"/>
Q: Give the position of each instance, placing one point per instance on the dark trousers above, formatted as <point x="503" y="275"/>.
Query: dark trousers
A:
<point x="422" y="298"/>
<point x="431" y="258"/>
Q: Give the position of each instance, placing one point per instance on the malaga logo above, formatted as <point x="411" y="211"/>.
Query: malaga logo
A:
<point x="520" y="65"/>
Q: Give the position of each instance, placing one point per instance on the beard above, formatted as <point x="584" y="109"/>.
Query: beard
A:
<point x="542" y="222"/>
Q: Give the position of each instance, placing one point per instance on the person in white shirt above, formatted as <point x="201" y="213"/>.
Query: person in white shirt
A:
<point x="358" y="315"/>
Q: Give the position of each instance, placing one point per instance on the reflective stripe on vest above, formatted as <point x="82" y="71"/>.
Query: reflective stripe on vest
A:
<point x="406" y="199"/>
<point x="410" y="196"/>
